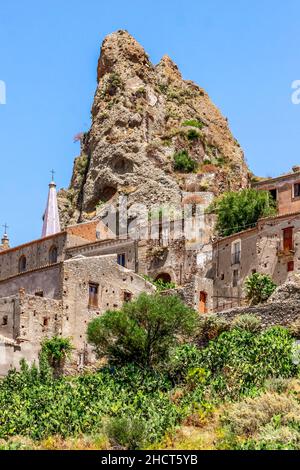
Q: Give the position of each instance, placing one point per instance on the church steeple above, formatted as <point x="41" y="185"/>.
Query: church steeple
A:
<point x="51" y="223"/>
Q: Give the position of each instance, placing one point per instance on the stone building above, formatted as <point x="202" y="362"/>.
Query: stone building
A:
<point x="285" y="190"/>
<point x="46" y="290"/>
<point x="272" y="247"/>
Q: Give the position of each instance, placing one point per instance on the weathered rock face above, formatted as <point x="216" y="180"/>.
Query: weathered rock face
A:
<point x="141" y="116"/>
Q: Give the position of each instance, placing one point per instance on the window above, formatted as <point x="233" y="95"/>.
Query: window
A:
<point x="93" y="294"/>
<point x="53" y="255"/>
<point x="127" y="296"/>
<point x="39" y="293"/>
<point x="22" y="264"/>
<point x="45" y="321"/>
<point x="296" y="189"/>
<point x="235" y="278"/>
<point x="273" y="194"/>
<point x="288" y="239"/>
<point x="290" y="266"/>
<point x="236" y="252"/>
<point x="4" y="320"/>
<point x="122" y="259"/>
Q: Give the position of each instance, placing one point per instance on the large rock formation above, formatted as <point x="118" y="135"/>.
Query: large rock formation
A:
<point x="141" y="116"/>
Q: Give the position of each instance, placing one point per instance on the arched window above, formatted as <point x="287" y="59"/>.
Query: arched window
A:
<point x="22" y="264"/>
<point x="53" y="255"/>
<point x="164" y="277"/>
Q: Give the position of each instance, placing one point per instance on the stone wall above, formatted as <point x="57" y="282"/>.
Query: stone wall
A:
<point x="44" y="280"/>
<point x="113" y="282"/>
<point x="36" y="253"/>
<point x="30" y="320"/>
<point x="275" y="313"/>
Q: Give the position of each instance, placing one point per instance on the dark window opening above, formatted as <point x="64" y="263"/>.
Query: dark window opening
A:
<point x="127" y="296"/>
<point x="165" y="277"/>
<point x="4" y="320"/>
<point x="273" y="193"/>
<point x="122" y="259"/>
<point x="53" y="255"/>
<point x="39" y="293"/>
<point x="45" y="321"/>
<point x="22" y="264"/>
<point x="288" y="239"/>
<point x="236" y="253"/>
<point x="93" y="294"/>
<point x="235" y="278"/>
<point x="290" y="266"/>
<point x="296" y="189"/>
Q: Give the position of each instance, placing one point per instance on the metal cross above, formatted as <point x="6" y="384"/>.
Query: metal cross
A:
<point x="52" y="173"/>
<point x="5" y="226"/>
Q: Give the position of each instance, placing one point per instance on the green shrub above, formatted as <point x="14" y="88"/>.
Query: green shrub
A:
<point x="249" y="323"/>
<point x="259" y="287"/>
<point x="193" y="123"/>
<point x="128" y="432"/>
<point x="56" y="350"/>
<point x="143" y="332"/>
<point x="237" y="211"/>
<point x="210" y="327"/>
<point x="240" y="361"/>
<point x="183" y="162"/>
<point x="193" y="135"/>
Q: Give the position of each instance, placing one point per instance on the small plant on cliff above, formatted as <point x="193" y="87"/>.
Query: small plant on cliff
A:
<point x="193" y="123"/>
<point x="193" y="134"/>
<point x="241" y="210"/>
<point x="56" y="350"/>
<point x="114" y="83"/>
<point x="258" y="288"/>
<point x="183" y="162"/>
<point x="143" y="332"/>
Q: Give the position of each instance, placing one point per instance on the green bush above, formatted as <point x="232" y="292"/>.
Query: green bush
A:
<point x="210" y="327"/>
<point x="193" y="123"/>
<point x="143" y="332"/>
<point x="259" y="287"/>
<point x="193" y="135"/>
<point x="249" y="323"/>
<point x="128" y="432"/>
<point x="237" y="211"/>
<point x="183" y="162"/>
<point x="56" y="350"/>
<point x="240" y="361"/>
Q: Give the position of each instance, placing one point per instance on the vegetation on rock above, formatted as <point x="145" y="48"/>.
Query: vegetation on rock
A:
<point x="238" y="211"/>
<point x="183" y="162"/>
<point x="259" y="287"/>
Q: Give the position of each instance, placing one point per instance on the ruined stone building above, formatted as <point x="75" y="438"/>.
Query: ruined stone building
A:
<point x="47" y="290"/>
<point x="271" y="247"/>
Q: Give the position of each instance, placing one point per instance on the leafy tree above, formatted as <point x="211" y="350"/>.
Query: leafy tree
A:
<point x="259" y="287"/>
<point x="143" y="331"/>
<point x="56" y="350"/>
<point x="183" y="162"/>
<point x="237" y="211"/>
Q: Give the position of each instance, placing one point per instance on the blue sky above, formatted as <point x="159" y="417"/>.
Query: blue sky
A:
<point x="244" y="53"/>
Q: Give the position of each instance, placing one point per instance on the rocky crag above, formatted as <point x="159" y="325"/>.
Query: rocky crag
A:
<point x="142" y="116"/>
